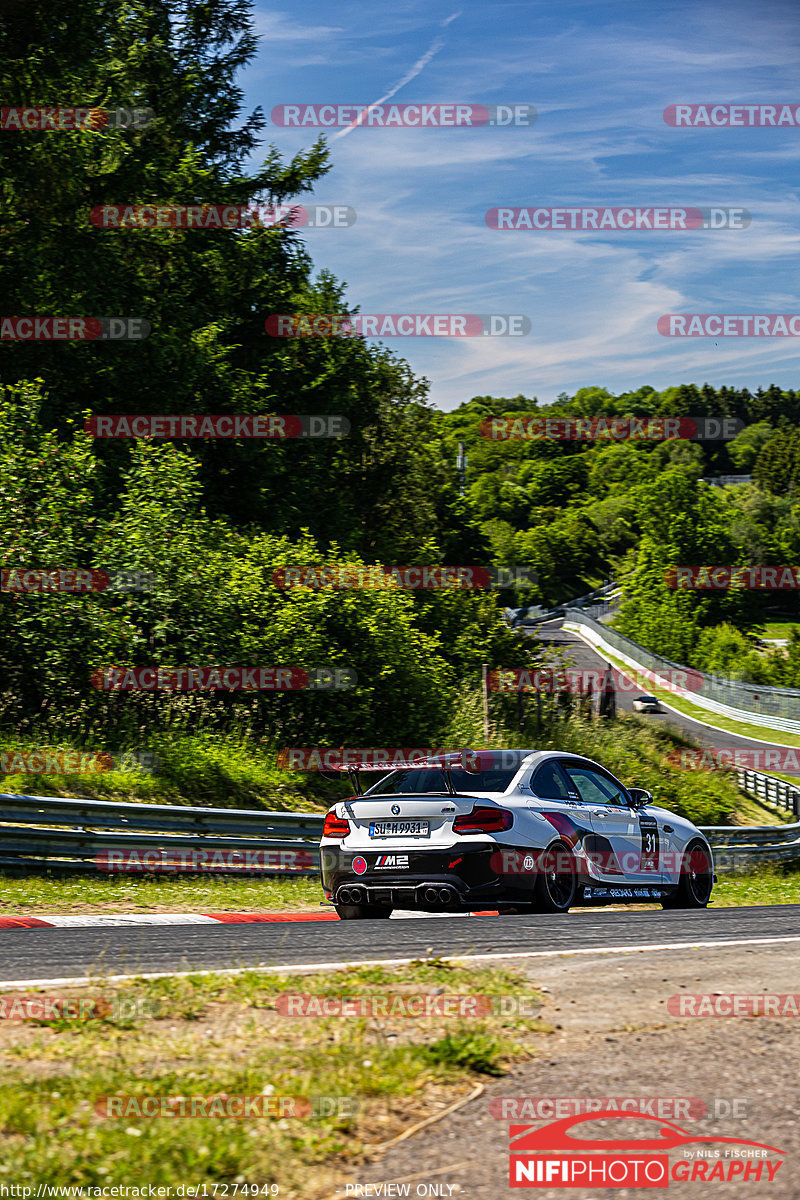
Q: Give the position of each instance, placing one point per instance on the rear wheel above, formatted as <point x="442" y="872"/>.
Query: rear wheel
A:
<point x="363" y="912"/>
<point x="557" y="880"/>
<point x="696" y="879"/>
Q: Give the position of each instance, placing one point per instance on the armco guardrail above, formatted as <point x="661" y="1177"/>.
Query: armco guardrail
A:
<point x="770" y="707"/>
<point x="67" y="834"/>
<point x="743" y="847"/>
<point x="591" y="597"/>
<point x="769" y="788"/>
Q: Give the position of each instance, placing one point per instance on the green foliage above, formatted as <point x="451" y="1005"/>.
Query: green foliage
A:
<point x="746" y="447"/>
<point x="777" y="467"/>
<point x="212" y="520"/>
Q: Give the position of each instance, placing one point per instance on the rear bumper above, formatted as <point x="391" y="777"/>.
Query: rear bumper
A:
<point x="470" y="876"/>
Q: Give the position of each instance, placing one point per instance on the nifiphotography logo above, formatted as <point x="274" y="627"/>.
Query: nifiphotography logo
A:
<point x="552" y="1155"/>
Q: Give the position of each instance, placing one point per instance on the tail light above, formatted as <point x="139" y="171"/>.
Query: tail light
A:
<point x="483" y="820"/>
<point x="335" y="827"/>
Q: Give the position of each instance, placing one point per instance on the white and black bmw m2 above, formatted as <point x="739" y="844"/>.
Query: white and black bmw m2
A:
<point x="508" y="830"/>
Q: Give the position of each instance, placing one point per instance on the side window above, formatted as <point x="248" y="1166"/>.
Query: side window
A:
<point x="550" y="783"/>
<point x="595" y="788"/>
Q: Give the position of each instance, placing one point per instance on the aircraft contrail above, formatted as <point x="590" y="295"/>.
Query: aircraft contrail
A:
<point x="418" y="66"/>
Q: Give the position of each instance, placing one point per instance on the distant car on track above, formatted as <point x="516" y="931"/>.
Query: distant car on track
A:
<point x="646" y="704"/>
<point x="508" y="830"/>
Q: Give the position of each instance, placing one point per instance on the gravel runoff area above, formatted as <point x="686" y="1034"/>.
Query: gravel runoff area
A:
<point x="614" y="1036"/>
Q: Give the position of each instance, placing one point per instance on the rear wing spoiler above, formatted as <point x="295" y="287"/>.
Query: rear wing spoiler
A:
<point x="333" y="763"/>
<point x="446" y="763"/>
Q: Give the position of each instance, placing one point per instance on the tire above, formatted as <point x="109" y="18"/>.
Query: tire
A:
<point x="556" y="885"/>
<point x="696" y="879"/>
<point x="363" y="912"/>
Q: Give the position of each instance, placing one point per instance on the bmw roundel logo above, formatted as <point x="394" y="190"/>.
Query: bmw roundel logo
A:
<point x="395" y="809"/>
<point x="359" y="865"/>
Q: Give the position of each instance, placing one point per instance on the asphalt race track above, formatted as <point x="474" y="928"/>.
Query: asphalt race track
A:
<point x="585" y="658"/>
<point x="46" y="955"/>
<point x="32" y="955"/>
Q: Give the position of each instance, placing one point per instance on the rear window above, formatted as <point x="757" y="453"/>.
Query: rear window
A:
<point x="494" y="779"/>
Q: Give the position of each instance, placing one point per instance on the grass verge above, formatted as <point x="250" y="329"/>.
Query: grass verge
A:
<point x="772" y="884"/>
<point x="32" y="894"/>
<point x="207" y="769"/>
<point x="207" y="1036"/>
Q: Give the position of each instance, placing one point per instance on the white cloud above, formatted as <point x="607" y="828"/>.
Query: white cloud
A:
<point x="600" y="86"/>
<point x="279" y="27"/>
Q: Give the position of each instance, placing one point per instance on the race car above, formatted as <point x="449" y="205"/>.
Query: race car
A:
<point x="508" y="831"/>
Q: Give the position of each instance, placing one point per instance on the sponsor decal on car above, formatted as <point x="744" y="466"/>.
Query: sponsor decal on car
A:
<point x="650" y="843"/>
<point x="391" y="862"/>
<point x="626" y="893"/>
<point x="359" y="864"/>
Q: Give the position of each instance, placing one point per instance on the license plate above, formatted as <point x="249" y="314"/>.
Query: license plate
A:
<point x="399" y="829"/>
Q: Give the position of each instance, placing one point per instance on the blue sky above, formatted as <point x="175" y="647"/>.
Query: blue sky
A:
<point x="600" y="76"/>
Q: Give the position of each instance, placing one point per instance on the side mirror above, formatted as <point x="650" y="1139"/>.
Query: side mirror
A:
<point x="640" y="797"/>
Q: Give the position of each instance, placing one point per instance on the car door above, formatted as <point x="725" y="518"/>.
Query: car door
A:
<point x="632" y="836"/>
<point x="557" y="799"/>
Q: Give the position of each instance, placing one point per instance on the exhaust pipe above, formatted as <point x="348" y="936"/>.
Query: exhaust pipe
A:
<point x="357" y="895"/>
<point x="446" y="895"/>
<point x="431" y="895"/>
<point x="344" y="896"/>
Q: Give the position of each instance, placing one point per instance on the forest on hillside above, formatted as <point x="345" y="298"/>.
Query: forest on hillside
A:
<point x="209" y="521"/>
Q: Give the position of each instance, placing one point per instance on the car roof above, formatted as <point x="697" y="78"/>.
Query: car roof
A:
<point x="521" y="762"/>
<point x="529" y="760"/>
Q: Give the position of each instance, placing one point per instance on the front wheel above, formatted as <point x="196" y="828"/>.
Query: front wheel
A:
<point x="696" y="879"/>
<point x="557" y="880"/>
<point x="363" y="912"/>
